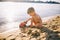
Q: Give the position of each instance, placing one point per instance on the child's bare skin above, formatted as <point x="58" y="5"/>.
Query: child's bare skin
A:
<point x="35" y="18"/>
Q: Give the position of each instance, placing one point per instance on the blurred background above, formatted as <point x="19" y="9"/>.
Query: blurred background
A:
<point x="30" y="0"/>
<point x="12" y="12"/>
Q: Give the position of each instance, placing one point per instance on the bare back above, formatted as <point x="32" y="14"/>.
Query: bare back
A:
<point x="37" y="19"/>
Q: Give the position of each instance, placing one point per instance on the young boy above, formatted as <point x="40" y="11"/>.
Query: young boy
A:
<point x="36" y="19"/>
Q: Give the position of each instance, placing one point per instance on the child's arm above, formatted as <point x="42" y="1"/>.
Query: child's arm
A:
<point x="31" y="23"/>
<point x="27" y="20"/>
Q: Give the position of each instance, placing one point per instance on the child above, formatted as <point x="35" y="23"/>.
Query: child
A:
<point x="36" y="19"/>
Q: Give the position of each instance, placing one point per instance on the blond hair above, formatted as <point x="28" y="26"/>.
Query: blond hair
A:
<point x="31" y="9"/>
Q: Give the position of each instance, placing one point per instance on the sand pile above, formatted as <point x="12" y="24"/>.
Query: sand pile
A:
<point x="52" y="24"/>
<point x="50" y="31"/>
